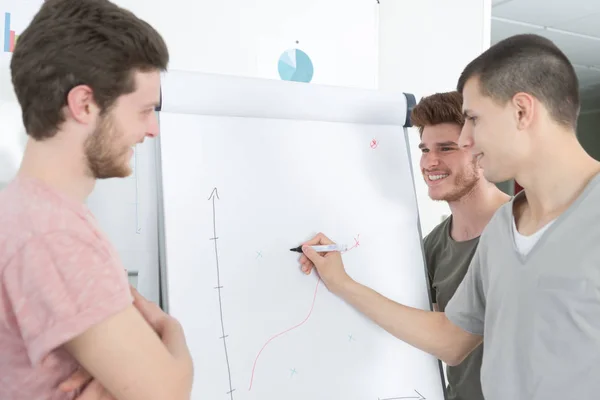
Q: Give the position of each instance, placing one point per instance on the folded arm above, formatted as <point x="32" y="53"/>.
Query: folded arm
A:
<point x="77" y="297"/>
<point x="131" y="361"/>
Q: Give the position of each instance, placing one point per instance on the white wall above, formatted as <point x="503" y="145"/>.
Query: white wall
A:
<point x="423" y="47"/>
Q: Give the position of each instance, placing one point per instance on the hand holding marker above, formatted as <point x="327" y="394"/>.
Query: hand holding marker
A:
<point x="323" y="248"/>
<point x="329" y="266"/>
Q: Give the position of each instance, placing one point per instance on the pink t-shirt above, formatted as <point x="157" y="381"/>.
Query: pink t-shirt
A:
<point x="59" y="275"/>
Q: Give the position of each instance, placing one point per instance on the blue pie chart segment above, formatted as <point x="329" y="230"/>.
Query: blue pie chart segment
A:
<point x="295" y="65"/>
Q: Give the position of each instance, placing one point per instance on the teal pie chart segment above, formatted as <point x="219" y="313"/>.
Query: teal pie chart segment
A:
<point x="295" y="65"/>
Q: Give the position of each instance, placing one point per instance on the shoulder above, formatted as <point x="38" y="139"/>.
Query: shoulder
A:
<point x="500" y="220"/>
<point x="72" y="284"/>
<point x="438" y="233"/>
<point x="30" y="216"/>
<point x="435" y="242"/>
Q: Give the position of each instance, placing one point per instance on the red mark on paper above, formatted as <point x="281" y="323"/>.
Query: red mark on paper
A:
<point x="312" y="306"/>
<point x="356" y="243"/>
<point x="374" y="144"/>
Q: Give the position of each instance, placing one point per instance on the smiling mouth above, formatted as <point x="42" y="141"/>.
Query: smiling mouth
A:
<point x="437" y="177"/>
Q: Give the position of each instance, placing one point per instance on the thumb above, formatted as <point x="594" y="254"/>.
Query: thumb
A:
<point x="312" y="255"/>
<point x="151" y="312"/>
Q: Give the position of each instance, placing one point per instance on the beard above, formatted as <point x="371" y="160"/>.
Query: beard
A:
<point x="103" y="158"/>
<point x="464" y="182"/>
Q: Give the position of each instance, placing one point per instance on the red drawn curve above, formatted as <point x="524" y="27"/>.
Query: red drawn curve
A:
<point x="286" y="331"/>
<point x="312" y="306"/>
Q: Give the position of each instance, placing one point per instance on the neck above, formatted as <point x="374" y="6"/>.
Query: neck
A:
<point x="472" y="212"/>
<point x="557" y="176"/>
<point x="52" y="162"/>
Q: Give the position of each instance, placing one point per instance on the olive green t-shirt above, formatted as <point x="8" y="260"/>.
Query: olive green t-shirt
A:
<point x="447" y="263"/>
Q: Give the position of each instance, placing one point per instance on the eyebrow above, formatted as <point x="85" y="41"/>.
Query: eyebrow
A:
<point x="440" y="144"/>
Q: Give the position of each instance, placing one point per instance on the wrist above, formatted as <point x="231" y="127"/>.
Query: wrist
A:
<point x="344" y="286"/>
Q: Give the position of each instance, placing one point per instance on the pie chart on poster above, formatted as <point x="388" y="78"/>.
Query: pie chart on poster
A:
<point x="295" y="65"/>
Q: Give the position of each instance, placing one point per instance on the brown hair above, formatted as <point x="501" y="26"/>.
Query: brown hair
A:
<point x="80" y="42"/>
<point x="438" y="108"/>
<point x="531" y="64"/>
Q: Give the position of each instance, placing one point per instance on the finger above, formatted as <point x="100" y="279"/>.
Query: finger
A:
<point x="312" y="255"/>
<point x="306" y="266"/>
<point x="94" y="391"/>
<point x="320" y="238"/>
<point x="303" y="259"/>
<point x="141" y="301"/>
<point x="79" y="379"/>
<point x="137" y="297"/>
<point x="150" y="311"/>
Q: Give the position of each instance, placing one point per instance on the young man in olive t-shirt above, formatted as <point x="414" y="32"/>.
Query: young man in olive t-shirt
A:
<point x="452" y="175"/>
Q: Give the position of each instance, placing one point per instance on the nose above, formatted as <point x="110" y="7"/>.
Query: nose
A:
<point x="429" y="160"/>
<point x="465" y="140"/>
<point x="153" y="127"/>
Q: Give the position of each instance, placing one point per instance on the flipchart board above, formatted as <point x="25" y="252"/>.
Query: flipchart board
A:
<point x="251" y="168"/>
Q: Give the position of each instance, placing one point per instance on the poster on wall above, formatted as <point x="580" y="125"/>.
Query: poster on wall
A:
<point x="14" y="17"/>
<point x="303" y="46"/>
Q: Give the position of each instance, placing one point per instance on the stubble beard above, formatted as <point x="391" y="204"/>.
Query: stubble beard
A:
<point x="464" y="184"/>
<point x="103" y="159"/>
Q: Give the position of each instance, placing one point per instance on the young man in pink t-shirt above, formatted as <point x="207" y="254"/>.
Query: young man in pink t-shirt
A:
<point x="87" y="76"/>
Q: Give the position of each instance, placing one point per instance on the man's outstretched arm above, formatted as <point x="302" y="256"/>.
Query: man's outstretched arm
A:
<point x="429" y="331"/>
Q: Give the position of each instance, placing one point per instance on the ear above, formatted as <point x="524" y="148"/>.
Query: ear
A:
<point x="81" y="105"/>
<point x="525" y="107"/>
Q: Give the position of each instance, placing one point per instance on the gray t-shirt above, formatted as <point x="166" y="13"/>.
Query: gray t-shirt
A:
<point x="539" y="313"/>
<point x="447" y="263"/>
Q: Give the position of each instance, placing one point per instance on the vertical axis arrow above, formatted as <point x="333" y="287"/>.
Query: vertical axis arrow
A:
<point x="214" y="195"/>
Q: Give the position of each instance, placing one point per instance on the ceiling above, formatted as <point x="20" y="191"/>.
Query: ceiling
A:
<point x="573" y="25"/>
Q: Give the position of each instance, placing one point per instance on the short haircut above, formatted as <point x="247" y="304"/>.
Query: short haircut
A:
<point x="531" y="64"/>
<point x="437" y="109"/>
<point x="80" y="42"/>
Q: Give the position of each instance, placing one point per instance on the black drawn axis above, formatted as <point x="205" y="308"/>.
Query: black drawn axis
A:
<point x="213" y="196"/>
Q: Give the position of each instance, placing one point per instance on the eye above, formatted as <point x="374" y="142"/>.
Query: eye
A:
<point x="447" y="149"/>
<point x="424" y="150"/>
<point x="472" y="119"/>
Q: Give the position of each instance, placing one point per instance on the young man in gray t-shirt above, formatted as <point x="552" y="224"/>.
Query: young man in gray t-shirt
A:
<point x="533" y="286"/>
<point x="453" y="176"/>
